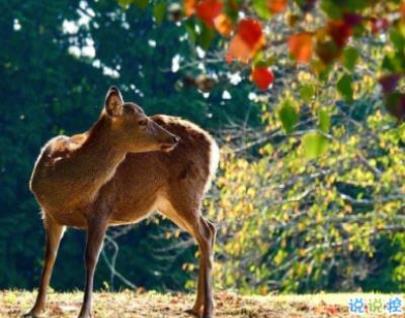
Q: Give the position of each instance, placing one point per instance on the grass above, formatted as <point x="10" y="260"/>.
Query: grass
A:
<point x="153" y="305"/>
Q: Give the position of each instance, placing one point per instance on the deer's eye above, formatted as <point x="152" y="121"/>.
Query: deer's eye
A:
<point x="143" y="122"/>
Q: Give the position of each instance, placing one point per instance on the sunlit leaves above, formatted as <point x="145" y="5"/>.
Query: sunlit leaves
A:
<point x="288" y="114"/>
<point x="300" y="46"/>
<point x="262" y="77"/>
<point x="308" y="211"/>
<point x="261" y="8"/>
<point x="248" y="39"/>
<point x="314" y="144"/>
<point x="324" y="120"/>
<point x="307" y="92"/>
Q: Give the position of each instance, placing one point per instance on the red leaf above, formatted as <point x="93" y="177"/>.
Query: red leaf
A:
<point x="352" y="19"/>
<point x="340" y="32"/>
<point x="389" y="82"/>
<point x="262" y="77"/>
<point x="251" y="32"/>
<point x="248" y="40"/>
<point x="277" y="6"/>
<point x="301" y="46"/>
<point x="208" y="10"/>
<point x="379" y="25"/>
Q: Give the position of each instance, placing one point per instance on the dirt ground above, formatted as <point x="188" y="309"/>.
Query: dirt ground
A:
<point x="153" y="305"/>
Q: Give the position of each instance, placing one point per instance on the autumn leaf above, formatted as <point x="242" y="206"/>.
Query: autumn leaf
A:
<point x="208" y="10"/>
<point x="340" y="31"/>
<point x="300" y="46"/>
<point x="379" y="25"/>
<point x="389" y="82"/>
<point x="327" y="51"/>
<point x="223" y="24"/>
<point x="262" y="77"/>
<point x="189" y="7"/>
<point x="277" y="6"/>
<point x="402" y="10"/>
<point x="352" y="19"/>
<point x="251" y="32"/>
<point x="248" y="40"/>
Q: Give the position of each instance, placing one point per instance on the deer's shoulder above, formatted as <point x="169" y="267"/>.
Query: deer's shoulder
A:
<point x="61" y="147"/>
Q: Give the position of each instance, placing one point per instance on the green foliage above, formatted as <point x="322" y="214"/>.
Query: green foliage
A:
<point x="314" y="145"/>
<point x="344" y="87"/>
<point x="350" y="58"/>
<point x="288" y="114"/>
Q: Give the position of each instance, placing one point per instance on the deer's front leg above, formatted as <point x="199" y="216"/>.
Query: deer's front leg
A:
<point x="95" y="236"/>
<point x="54" y="234"/>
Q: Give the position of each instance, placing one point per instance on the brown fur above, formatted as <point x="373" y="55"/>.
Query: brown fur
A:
<point x="98" y="178"/>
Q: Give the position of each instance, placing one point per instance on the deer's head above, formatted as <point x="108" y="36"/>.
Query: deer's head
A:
<point x="132" y="129"/>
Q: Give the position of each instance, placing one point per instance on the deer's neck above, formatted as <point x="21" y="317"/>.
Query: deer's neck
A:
<point x="77" y="179"/>
<point x="98" y="158"/>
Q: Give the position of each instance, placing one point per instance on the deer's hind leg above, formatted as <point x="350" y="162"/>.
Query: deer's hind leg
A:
<point x="186" y="214"/>
<point x="53" y="235"/>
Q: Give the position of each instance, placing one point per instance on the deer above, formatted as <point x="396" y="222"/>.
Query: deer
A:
<point x="125" y="167"/>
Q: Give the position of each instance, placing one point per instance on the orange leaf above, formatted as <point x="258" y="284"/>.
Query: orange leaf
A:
<point x="238" y="50"/>
<point x="277" y="6"/>
<point x="300" y="46"/>
<point x="262" y="77"/>
<point x="208" y="10"/>
<point x="223" y="24"/>
<point x="248" y="40"/>
<point x="189" y="7"/>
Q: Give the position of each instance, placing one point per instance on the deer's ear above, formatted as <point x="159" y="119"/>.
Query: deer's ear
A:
<point x="113" y="102"/>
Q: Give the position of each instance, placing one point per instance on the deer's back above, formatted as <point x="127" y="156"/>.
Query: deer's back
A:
<point x="146" y="180"/>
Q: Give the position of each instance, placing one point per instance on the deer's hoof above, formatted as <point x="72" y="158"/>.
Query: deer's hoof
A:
<point x="31" y="314"/>
<point x="192" y="312"/>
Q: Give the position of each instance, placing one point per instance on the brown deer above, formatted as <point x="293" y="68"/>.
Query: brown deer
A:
<point x="125" y="167"/>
